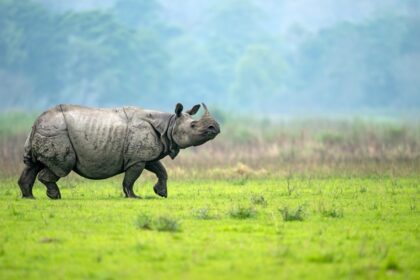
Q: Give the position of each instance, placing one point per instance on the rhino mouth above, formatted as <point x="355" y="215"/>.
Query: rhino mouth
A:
<point x="203" y="140"/>
<point x="211" y="131"/>
<point x="208" y="135"/>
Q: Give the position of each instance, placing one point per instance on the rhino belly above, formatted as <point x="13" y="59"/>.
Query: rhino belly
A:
<point x="98" y="138"/>
<point x="98" y="166"/>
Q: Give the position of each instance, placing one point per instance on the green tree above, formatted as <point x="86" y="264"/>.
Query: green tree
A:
<point x="258" y="78"/>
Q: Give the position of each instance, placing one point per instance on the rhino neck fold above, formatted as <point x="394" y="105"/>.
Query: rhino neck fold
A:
<point x="163" y="124"/>
<point x="172" y="148"/>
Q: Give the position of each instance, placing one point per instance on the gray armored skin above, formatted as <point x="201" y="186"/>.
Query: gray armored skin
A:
<point x="101" y="143"/>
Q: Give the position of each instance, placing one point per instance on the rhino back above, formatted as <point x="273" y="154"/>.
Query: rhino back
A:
<point x="98" y="138"/>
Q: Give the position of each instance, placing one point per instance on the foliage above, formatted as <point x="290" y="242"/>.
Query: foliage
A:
<point x="161" y="223"/>
<point x="232" y="54"/>
<point x="144" y="222"/>
<point x="332" y="213"/>
<point x="203" y="213"/>
<point x="86" y="57"/>
<point x="296" y="214"/>
<point x="259" y="199"/>
<point x="242" y="212"/>
<point x="164" y="223"/>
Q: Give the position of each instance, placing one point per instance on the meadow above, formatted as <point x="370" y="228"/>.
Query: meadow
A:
<point x="207" y="229"/>
<point x="268" y="200"/>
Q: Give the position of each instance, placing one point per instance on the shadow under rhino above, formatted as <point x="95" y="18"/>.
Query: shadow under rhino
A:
<point x="101" y="143"/>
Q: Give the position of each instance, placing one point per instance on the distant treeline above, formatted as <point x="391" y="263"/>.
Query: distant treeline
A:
<point x="129" y="54"/>
<point x="249" y="146"/>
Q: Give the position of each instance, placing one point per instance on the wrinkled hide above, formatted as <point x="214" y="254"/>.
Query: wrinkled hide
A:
<point x="99" y="143"/>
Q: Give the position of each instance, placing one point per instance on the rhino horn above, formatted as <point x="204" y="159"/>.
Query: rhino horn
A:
<point x="206" y="111"/>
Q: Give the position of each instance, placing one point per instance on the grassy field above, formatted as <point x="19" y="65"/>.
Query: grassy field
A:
<point x="293" y="228"/>
<point x="266" y="200"/>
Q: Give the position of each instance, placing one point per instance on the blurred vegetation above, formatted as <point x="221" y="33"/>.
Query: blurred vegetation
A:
<point x="16" y="123"/>
<point x="262" y="147"/>
<point x="235" y="55"/>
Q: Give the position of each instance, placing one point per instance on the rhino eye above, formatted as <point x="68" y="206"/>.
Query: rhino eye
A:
<point x="193" y="124"/>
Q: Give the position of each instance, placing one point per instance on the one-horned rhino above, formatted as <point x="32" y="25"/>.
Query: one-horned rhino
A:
<point x="101" y="143"/>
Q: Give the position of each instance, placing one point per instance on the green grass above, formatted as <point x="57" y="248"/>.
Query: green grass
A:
<point x="351" y="228"/>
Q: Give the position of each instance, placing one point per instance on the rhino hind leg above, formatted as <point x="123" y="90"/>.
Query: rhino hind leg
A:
<point x="160" y="187"/>
<point x="55" y="152"/>
<point x="130" y="177"/>
<point x="27" y="179"/>
<point x="49" y="179"/>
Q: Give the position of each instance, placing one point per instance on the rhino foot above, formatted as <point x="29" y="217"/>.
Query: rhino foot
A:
<point x="54" y="194"/>
<point x="160" y="189"/>
<point x="133" y="196"/>
<point x="129" y="193"/>
<point x="28" y="196"/>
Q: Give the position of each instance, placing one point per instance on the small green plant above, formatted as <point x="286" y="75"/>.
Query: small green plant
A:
<point x="363" y="189"/>
<point x="374" y="206"/>
<point x="290" y="188"/>
<point x="413" y="205"/>
<point x="167" y="224"/>
<point x="144" y="221"/>
<point x="258" y="199"/>
<point x="391" y="264"/>
<point x="242" y="212"/>
<point x="332" y="213"/>
<point x="202" y="214"/>
<point x="161" y="223"/>
<point x="292" y="214"/>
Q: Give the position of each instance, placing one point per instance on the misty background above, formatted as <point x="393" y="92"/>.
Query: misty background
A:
<point x="268" y="57"/>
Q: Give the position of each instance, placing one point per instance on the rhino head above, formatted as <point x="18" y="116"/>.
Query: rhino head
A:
<point x="188" y="132"/>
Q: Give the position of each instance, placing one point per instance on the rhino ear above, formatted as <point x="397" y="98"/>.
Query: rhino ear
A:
<point x="193" y="110"/>
<point x="178" y="109"/>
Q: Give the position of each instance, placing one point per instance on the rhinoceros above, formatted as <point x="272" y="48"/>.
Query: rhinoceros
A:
<point x="101" y="143"/>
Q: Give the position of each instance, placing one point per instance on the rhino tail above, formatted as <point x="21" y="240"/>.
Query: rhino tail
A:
<point x="28" y="157"/>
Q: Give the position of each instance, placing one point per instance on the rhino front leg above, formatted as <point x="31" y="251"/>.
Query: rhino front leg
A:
<point x="130" y="177"/>
<point x="49" y="179"/>
<point x="160" y="187"/>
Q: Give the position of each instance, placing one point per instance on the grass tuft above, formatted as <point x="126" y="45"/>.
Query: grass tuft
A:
<point x="203" y="214"/>
<point x="242" y="212"/>
<point x="332" y="213"/>
<point x="161" y="223"/>
<point x="290" y="215"/>
<point x="259" y="199"/>
<point x="322" y="258"/>
<point x="167" y="224"/>
<point x="392" y="264"/>
<point x="144" y="221"/>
